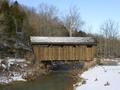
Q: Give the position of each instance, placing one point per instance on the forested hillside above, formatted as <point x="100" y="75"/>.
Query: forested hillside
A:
<point x="18" y="23"/>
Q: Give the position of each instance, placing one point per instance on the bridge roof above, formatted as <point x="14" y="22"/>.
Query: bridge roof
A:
<point x="63" y="40"/>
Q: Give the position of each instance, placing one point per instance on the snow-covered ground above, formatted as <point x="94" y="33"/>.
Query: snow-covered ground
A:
<point x="9" y="79"/>
<point x="7" y="76"/>
<point x="101" y="78"/>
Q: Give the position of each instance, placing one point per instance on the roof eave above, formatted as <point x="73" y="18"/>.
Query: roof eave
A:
<point x="37" y="43"/>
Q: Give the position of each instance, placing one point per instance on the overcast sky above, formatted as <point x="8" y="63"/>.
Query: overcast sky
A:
<point x="93" y="12"/>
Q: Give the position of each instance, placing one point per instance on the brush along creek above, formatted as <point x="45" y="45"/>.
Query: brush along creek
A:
<point x="61" y="76"/>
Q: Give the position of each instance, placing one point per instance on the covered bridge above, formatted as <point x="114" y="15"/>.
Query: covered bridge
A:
<point x="63" y="48"/>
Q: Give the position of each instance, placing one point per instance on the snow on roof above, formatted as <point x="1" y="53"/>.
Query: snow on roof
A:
<point x="62" y="40"/>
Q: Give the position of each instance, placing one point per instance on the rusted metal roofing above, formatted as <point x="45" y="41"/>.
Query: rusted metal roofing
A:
<point x="62" y="40"/>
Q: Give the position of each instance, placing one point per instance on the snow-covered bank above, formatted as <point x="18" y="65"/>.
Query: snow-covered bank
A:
<point x="101" y="78"/>
<point x="12" y="69"/>
<point x="9" y="79"/>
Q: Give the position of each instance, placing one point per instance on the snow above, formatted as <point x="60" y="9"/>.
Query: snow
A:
<point x="11" y="75"/>
<point x="97" y="78"/>
<point x="6" y="80"/>
<point x="18" y="78"/>
<point x="11" y="61"/>
<point x="3" y="65"/>
<point x="15" y="60"/>
<point x="55" y="40"/>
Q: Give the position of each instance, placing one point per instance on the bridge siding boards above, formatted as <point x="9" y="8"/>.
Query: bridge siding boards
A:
<point x="46" y="52"/>
<point x="43" y="53"/>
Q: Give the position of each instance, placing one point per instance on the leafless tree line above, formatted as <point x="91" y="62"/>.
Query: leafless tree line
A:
<point x="108" y="40"/>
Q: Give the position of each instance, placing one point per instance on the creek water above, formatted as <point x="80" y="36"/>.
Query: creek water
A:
<point x="60" y="79"/>
<point x="52" y="81"/>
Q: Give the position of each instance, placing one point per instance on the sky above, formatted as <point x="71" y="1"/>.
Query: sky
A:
<point x="93" y="12"/>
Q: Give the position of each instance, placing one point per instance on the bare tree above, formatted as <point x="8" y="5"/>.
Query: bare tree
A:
<point x="73" y="21"/>
<point x="49" y="12"/>
<point x="50" y="24"/>
<point x="109" y="30"/>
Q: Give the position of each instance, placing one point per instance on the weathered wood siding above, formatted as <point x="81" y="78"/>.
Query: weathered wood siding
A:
<point x="51" y="52"/>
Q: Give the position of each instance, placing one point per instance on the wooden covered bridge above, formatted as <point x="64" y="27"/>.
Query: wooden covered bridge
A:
<point x="63" y="48"/>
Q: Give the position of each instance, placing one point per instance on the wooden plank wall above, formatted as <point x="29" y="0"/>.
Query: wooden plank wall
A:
<point x="64" y="52"/>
